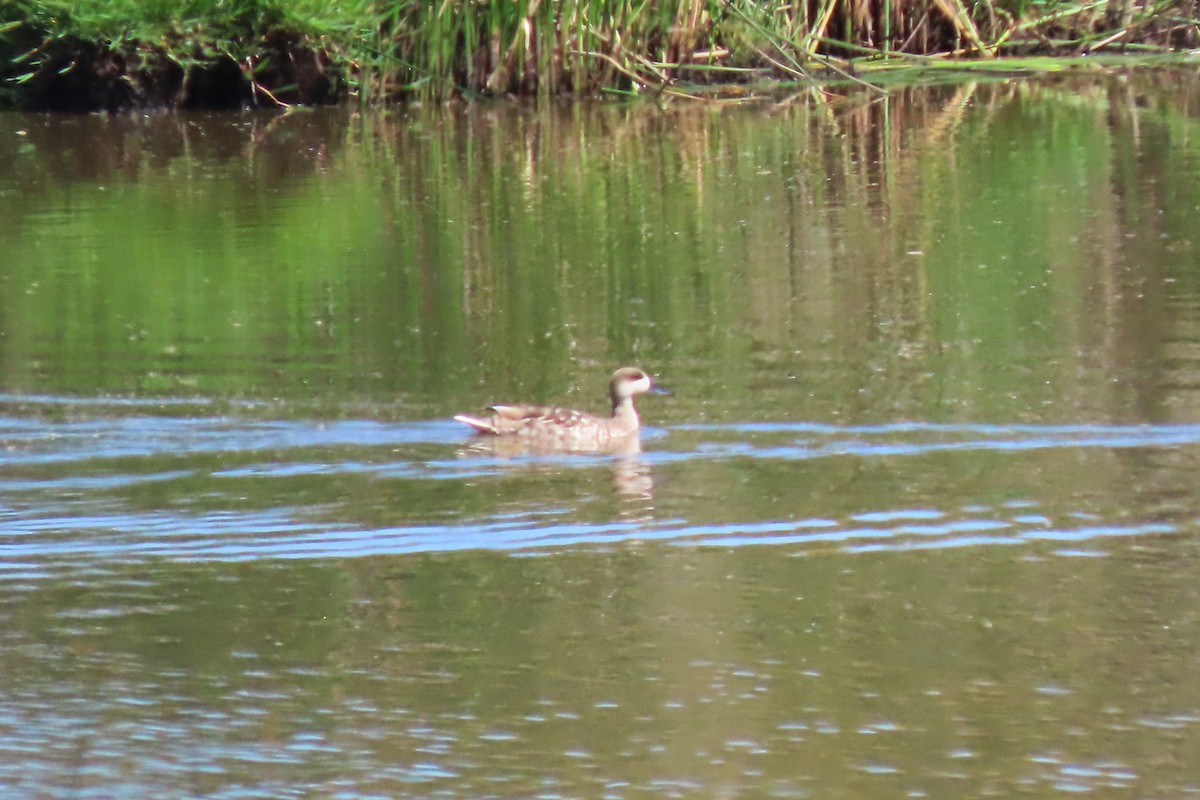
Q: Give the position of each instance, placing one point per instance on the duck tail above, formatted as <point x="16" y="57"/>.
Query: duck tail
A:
<point x="481" y="425"/>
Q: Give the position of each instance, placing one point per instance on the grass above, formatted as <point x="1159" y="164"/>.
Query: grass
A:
<point x="433" y="49"/>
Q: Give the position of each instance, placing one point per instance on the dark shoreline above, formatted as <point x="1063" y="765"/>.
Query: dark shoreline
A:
<point x="82" y="77"/>
<point x="273" y="66"/>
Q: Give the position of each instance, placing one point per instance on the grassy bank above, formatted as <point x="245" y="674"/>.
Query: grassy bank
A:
<point x="89" y="54"/>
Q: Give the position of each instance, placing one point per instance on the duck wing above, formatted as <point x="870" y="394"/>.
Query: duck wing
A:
<point x="526" y="419"/>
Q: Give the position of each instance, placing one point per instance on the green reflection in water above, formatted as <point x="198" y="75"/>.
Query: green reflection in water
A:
<point x="997" y="253"/>
<point x="964" y="252"/>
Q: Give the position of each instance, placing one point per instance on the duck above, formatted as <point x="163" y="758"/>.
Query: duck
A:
<point x="553" y="427"/>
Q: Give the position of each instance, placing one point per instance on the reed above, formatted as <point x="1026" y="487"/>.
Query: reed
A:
<point x="393" y="49"/>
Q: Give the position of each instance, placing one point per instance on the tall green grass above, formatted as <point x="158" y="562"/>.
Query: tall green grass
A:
<point x="385" y="49"/>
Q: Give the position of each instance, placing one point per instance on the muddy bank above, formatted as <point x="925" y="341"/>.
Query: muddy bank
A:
<point x="71" y="75"/>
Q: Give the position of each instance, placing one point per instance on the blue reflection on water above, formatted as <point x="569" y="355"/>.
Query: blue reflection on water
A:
<point x="66" y="488"/>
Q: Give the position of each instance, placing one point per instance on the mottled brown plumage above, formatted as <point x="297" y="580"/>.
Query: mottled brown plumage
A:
<point x="568" y="429"/>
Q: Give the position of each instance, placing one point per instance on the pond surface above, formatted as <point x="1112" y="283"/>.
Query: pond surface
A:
<point x="921" y="519"/>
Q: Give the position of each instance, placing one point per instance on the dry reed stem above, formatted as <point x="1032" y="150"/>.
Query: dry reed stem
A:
<point x="823" y="18"/>
<point x="502" y="72"/>
<point x="961" y="21"/>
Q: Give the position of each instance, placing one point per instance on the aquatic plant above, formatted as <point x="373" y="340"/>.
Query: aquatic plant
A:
<point x="114" y="53"/>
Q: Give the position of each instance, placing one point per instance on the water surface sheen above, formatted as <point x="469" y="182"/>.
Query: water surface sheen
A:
<point x="919" y="521"/>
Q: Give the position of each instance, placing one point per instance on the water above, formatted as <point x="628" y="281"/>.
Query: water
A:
<point x="920" y="520"/>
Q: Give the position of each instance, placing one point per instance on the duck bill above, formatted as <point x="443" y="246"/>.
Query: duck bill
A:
<point x="656" y="389"/>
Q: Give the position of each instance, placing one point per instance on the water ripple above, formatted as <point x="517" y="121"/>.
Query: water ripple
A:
<point x="277" y="535"/>
<point x="32" y="440"/>
<point x="138" y="487"/>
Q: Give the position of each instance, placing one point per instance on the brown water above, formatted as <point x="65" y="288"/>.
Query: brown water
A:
<point x="921" y="519"/>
